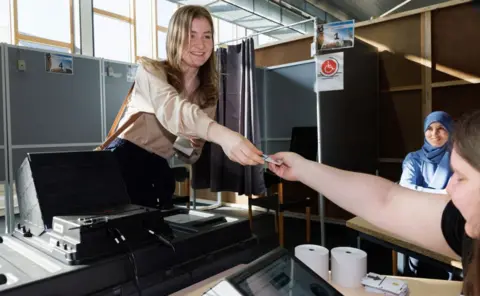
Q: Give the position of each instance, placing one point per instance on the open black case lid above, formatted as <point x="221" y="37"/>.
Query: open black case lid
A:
<point x="51" y="184"/>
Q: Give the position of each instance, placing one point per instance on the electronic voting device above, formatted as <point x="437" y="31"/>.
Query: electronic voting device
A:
<point x="277" y="273"/>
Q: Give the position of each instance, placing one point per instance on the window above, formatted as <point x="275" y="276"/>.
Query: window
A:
<point x="165" y="10"/>
<point x="48" y="23"/>
<point x="43" y="46"/>
<point x="5" y="21"/>
<point x="163" y="13"/>
<point x="114" y="30"/>
<point x="215" y="29"/>
<point x="144" y="28"/>
<point x="162" y="42"/>
<point x="119" y="7"/>
<point x="76" y="18"/>
<point x="112" y="38"/>
<point x="241" y="32"/>
<point x="226" y="32"/>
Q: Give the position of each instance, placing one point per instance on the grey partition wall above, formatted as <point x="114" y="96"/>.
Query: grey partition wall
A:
<point x="260" y="74"/>
<point x="3" y="167"/>
<point x="50" y="110"/>
<point x="289" y="101"/>
<point x="118" y="78"/>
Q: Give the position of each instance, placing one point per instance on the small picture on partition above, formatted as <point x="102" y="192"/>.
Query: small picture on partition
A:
<point x="58" y="63"/>
<point x="335" y="35"/>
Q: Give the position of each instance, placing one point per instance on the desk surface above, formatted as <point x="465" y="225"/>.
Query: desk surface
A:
<point x="417" y="286"/>
<point x="363" y="226"/>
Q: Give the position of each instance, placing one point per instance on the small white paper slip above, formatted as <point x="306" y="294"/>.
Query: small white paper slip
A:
<point x="183" y="145"/>
<point x="269" y="159"/>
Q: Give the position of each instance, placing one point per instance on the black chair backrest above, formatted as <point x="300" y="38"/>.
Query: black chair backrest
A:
<point x="304" y="141"/>
<point x="181" y="173"/>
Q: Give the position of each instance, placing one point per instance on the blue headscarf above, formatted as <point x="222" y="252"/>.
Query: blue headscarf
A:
<point x="438" y="171"/>
<point x="435" y="154"/>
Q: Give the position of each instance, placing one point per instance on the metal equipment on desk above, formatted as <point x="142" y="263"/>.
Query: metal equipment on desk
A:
<point x="76" y="220"/>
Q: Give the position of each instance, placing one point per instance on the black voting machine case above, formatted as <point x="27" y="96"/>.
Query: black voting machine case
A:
<point x="77" y="205"/>
<point x="74" y="209"/>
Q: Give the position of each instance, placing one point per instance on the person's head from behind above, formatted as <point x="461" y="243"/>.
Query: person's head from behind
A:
<point x="437" y="128"/>
<point x="190" y="46"/>
<point x="464" y="185"/>
<point x="464" y="189"/>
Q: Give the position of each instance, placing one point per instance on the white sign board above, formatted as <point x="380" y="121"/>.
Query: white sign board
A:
<point x="329" y="72"/>
<point x="337" y="35"/>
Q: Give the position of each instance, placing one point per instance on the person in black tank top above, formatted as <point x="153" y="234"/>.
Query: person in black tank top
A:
<point x="453" y="228"/>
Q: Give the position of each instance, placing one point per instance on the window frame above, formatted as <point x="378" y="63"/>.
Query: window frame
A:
<point x="128" y="19"/>
<point x="10" y="22"/>
<point x="17" y="36"/>
<point x="157" y="27"/>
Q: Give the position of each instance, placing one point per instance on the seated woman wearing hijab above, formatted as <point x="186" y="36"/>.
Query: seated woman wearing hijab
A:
<point x="428" y="169"/>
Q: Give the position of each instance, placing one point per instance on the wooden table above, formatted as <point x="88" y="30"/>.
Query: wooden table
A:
<point x="389" y="240"/>
<point x="417" y="286"/>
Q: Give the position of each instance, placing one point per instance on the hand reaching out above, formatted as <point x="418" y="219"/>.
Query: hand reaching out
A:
<point x="237" y="148"/>
<point x="241" y="150"/>
<point x="292" y="164"/>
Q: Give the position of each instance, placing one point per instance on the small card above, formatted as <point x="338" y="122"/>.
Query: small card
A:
<point x="270" y="160"/>
<point x="373" y="281"/>
<point x="183" y="145"/>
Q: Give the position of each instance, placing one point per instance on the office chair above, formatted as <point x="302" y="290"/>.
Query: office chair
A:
<point x="303" y="142"/>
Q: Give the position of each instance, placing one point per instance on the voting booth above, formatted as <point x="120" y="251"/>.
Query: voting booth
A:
<point x="336" y="92"/>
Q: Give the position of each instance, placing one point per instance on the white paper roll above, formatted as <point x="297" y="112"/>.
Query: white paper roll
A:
<point x="315" y="257"/>
<point x="349" y="266"/>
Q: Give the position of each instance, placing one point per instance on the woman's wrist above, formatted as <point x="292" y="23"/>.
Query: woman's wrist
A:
<point x="217" y="133"/>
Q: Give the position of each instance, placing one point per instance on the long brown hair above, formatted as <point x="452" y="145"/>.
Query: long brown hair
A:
<point x="466" y="139"/>
<point x="177" y="36"/>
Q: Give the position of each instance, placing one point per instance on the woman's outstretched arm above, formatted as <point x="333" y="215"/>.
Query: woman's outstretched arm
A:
<point x="414" y="216"/>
